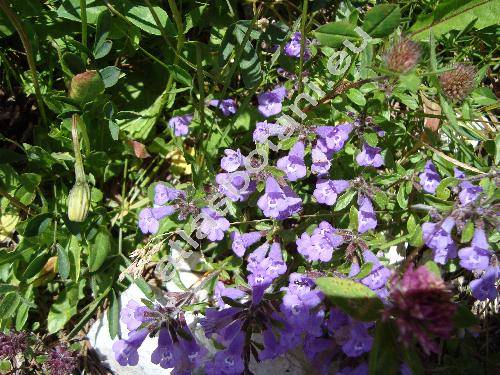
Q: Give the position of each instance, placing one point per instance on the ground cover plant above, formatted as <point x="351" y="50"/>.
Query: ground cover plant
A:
<point x="329" y="169"/>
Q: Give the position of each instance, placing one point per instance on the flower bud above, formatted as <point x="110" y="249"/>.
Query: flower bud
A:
<point x="79" y="201"/>
<point x="403" y="56"/>
<point x="458" y="83"/>
<point x="86" y="86"/>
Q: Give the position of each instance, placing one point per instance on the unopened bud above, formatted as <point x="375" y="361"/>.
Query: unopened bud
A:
<point x="458" y="83"/>
<point x="403" y="56"/>
<point x="79" y="201"/>
<point x="86" y="86"/>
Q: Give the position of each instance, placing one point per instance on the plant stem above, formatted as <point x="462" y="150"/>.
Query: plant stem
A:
<point x="29" y="53"/>
<point x="83" y="16"/>
<point x="79" y="171"/>
<point x="302" y="43"/>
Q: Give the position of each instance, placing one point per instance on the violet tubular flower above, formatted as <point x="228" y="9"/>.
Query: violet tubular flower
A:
<point x="180" y="124"/>
<point x="327" y="191"/>
<point x="367" y="219"/>
<point x="147" y="221"/>
<point x="293" y="164"/>
<point x="264" y="130"/>
<point x="476" y="257"/>
<point x="370" y="157"/>
<point x="213" y="225"/>
<point x="294" y="47"/>
<point x="237" y="186"/>
<point x="228" y="107"/>
<point x="320" y="161"/>
<point x="333" y="138"/>
<point x="241" y="242"/>
<point x="125" y="350"/>
<point x="164" y="194"/>
<point x="438" y="238"/>
<point x="232" y="161"/>
<point x="429" y="178"/>
<point x="270" y="102"/>
<point x="484" y="288"/>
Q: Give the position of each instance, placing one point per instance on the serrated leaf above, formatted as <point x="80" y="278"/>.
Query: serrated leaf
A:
<point x="401" y="197"/>
<point x="355" y="299"/>
<point x="467" y="232"/>
<point x="356" y="97"/>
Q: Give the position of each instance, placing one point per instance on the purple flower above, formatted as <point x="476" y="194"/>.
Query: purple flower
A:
<point x="213" y="225"/>
<point x="164" y="355"/>
<point x="327" y="231"/>
<point x="126" y="350"/>
<point x="232" y="161"/>
<point x="294" y="46"/>
<point x="320" y="161"/>
<point x="241" y="242"/>
<point x="270" y="102"/>
<point x="429" y="178"/>
<point x="370" y="156"/>
<point x="164" y="194"/>
<point x="129" y="317"/>
<point x="326" y="191"/>
<point x="333" y="138"/>
<point x="477" y="256"/>
<point x="162" y="211"/>
<point x="484" y="288"/>
<point x="264" y="130"/>
<point x="147" y="221"/>
<point x="221" y="291"/>
<point x="293" y="164"/>
<point x="274" y="200"/>
<point x="293" y="201"/>
<point x="378" y="276"/>
<point x="359" y="342"/>
<point x="61" y="361"/>
<point x="230" y="360"/>
<point x="315" y="247"/>
<point x="180" y="124"/>
<point x="438" y="238"/>
<point x="469" y="192"/>
<point x="321" y="352"/>
<point x="227" y="106"/>
<point x="237" y="185"/>
<point x="366" y="219"/>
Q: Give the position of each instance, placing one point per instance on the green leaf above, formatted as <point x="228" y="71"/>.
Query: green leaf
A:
<point x="356" y="97"/>
<point x="364" y="270"/>
<point x="142" y="17"/>
<point x="467" y="232"/>
<point x="371" y="138"/>
<point x="410" y="81"/>
<point x="180" y="75"/>
<point x="23" y="310"/>
<point x="381" y="199"/>
<point x="114" y="130"/>
<point x="100" y="249"/>
<point x="38" y="224"/>
<point x="382" y="20"/>
<point x="344" y="200"/>
<point x="401" y="197"/>
<point x="102" y="45"/>
<point x="63" y="264"/>
<point x="353" y="218"/>
<point x="74" y="251"/>
<point x="250" y="67"/>
<point x="355" y="299"/>
<point x="113" y="315"/>
<point x="35" y="266"/>
<point x="433" y="267"/>
<point x="383" y="357"/>
<point x="64" y="307"/>
<point x="334" y="34"/>
<point x="8" y="305"/>
<point x="441" y="191"/>
<point x="110" y="75"/>
<point x="454" y="15"/>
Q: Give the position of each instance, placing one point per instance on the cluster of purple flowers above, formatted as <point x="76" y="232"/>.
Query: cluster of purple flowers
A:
<point x="438" y="236"/>
<point x="149" y="218"/>
<point x="320" y="245"/>
<point x="177" y="347"/>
